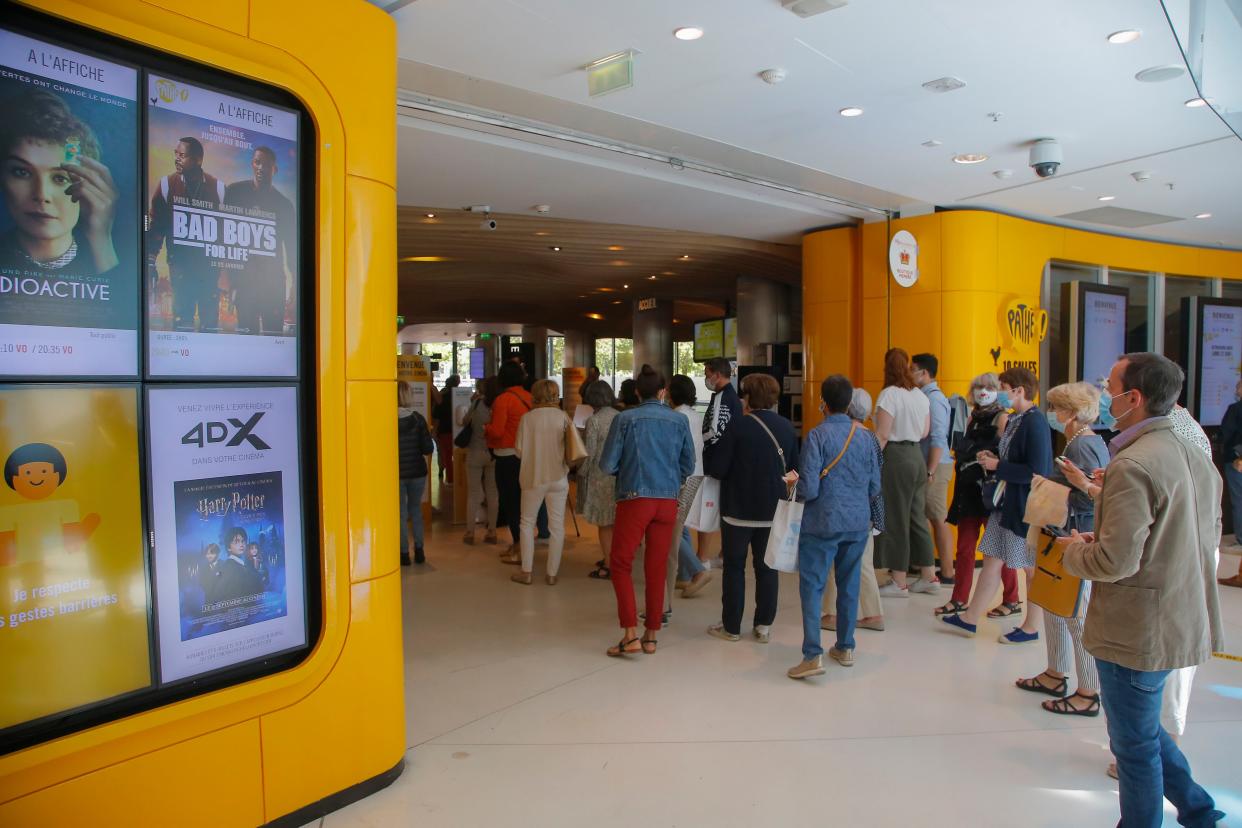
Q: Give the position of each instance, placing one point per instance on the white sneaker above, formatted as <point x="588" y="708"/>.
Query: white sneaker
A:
<point x="925" y="587"/>
<point x="763" y="633"/>
<point x="891" y="590"/>
<point x="719" y="631"/>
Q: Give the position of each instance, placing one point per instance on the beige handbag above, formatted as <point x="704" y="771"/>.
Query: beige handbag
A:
<point x="575" y="450"/>
<point x="1047" y="505"/>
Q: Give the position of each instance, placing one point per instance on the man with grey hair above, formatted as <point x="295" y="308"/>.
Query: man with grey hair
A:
<point x="1154" y="606"/>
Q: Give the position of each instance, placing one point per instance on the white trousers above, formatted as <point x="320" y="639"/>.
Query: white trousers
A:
<point x="480" y="486"/>
<point x="554" y="494"/>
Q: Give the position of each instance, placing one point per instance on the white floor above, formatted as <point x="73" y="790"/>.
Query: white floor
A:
<point x="516" y="717"/>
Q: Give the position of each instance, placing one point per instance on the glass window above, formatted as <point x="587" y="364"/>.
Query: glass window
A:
<point x="1231" y="289"/>
<point x="1060" y="274"/>
<point x="615" y="358"/>
<point x="441" y="356"/>
<point x="556" y="361"/>
<point x="461" y="352"/>
<point x="683" y="353"/>
<point x="1177" y="293"/>
<point x="1138" y="311"/>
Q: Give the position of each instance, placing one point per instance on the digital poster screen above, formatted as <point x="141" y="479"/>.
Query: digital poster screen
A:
<point x="709" y="340"/>
<point x="69" y="261"/>
<point x="1103" y="320"/>
<point x="73" y="580"/>
<point x="1220" y="360"/>
<point x="226" y="512"/>
<point x="221" y="241"/>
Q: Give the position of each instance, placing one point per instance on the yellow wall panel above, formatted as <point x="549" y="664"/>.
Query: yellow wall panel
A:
<point x="1224" y="264"/>
<point x="828" y="337"/>
<point x="1023" y="248"/>
<point x="353" y="51"/>
<point x="226" y="14"/>
<point x="874" y="338"/>
<point x="917" y="323"/>
<point x="926" y="230"/>
<point x="810" y="405"/>
<point x="829" y="264"/>
<point x="874" y="253"/>
<point x="370" y="279"/>
<point x="353" y="726"/>
<point x="970" y="333"/>
<point x="374" y="517"/>
<point x="968" y="252"/>
<point x="213" y="781"/>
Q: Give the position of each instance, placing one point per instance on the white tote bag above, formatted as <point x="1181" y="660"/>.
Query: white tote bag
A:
<point x="782" y="551"/>
<point x="704" y="514"/>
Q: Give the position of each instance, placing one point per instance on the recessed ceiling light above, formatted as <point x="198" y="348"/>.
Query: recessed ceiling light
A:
<point x="688" y="33"/>
<point x="1107" y="198"/>
<point x="431" y="215"/>
<point x="627" y="287"/>
<point x="615" y="247"/>
<point x="554" y="248"/>
<point x="668" y="273"/>
<point x="606" y="290"/>
<point x="1195" y="103"/>
<point x="425" y="259"/>
<point x="1156" y="74"/>
<point x="1204" y="215"/>
<point x="851" y="112"/>
<point x="1124" y="36"/>
<point x="594" y="316"/>
<point x="651" y="278"/>
<point x="970" y="158"/>
<point x="685" y="255"/>
<point x="542" y="233"/>
<point x="618" y="302"/>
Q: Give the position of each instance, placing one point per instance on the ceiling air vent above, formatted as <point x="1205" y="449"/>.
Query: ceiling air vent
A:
<point x="1120" y="217"/>
<point x="810" y="8"/>
<point x="945" y="84"/>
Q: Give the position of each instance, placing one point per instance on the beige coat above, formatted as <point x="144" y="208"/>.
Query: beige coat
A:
<point x="1154" y="604"/>
<point x="541" y="445"/>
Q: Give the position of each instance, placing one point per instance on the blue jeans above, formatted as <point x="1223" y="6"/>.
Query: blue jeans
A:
<point x="688" y="563"/>
<point x="1150" y="766"/>
<point x="1233" y="478"/>
<point x="410" y="495"/>
<point x="843" y="551"/>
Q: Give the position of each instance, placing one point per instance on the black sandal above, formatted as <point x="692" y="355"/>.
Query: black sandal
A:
<point x="1006" y="610"/>
<point x="1065" y="708"/>
<point x="1034" y="685"/>
<point x="649" y="641"/>
<point x="601" y="573"/>
<point x="619" y="650"/>
<point x="601" y="562"/>
<point x="952" y="608"/>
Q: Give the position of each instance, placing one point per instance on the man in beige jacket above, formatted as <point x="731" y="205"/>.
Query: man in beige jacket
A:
<point x="1154" y="605"/>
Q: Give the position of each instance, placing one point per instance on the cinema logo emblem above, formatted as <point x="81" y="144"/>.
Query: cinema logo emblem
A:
<point x="1026" y="325"/>
<point x="170" y="92"/>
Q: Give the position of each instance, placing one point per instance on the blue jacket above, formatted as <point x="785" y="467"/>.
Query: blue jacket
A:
<point x="1029" y="454"/>
<point x="650" y="452"/>
<point x="841" y="501"/>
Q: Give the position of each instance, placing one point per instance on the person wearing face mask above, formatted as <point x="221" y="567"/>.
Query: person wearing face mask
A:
<point x="1072" y="408"/>
<point x="1025" y="450"/>
<point x="967" y="511"/>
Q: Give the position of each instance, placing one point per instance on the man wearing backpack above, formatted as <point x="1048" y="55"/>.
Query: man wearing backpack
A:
<point x="939" y="460"/>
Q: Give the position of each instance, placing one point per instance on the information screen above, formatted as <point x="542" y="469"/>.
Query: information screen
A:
<point x="477" y="370"/>
<point x="1103" y="334"/>
<point x="709" y="340"/>
<point x="730" y="337"/>
<point x="73" y="582"/>
<point x="221" y="238"/>
<point x="226" y="513"/>
<point x="69" y="264"/>
<point x="1220" y="360"/>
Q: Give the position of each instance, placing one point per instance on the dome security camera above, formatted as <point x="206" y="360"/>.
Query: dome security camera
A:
<point x="1046" y="157"/>
<point x="488" y="224"/>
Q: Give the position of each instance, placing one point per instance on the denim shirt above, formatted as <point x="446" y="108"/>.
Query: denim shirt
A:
<point x="649" y="450"/>
<point x="841" y="502"/>
<point x="941" y="414"/>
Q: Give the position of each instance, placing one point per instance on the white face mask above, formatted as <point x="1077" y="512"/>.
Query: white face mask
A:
<point x="985" y="396"/>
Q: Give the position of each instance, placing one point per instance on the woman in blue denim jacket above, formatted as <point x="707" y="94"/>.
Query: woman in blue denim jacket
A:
<point x="838" y="478"/>
<point x="650" y="451"/>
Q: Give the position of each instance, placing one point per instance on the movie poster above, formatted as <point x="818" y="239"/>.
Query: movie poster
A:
<point x="69" y="262"/>
<point x="73" y="581"/>
<point x="1220" y="361"/>
<point x="227" y="521"/>
<point x="221" y="241"/>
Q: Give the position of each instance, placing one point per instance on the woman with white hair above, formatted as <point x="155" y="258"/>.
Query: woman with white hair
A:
<point x="870" y="609"/>
<point x="1072" y="408"/>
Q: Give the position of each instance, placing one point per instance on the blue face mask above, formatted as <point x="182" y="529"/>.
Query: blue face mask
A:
<point x="1054" y="423"/>
<point x="1002" y="399"/>
<point x="1106" y="420"/>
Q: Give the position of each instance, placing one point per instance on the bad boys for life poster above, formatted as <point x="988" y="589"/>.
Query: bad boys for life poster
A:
<point x="221" y="240"/>
<point x="230" y="552"/>
<point x="69" y="258"/>
<point x="74" y="604"/>
<point x="226" y="515"/>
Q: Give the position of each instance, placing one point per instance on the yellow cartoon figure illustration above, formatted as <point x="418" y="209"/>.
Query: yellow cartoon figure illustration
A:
<point x="44" y="525"/>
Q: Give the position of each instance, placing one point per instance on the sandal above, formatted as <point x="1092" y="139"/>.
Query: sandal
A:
<point x="622" y="648"/>
<point x="649" y="642"/>
<point x="952" y="608"/>
<point x="1006" y="610"/>
<point x="601" y="573"/>
<point x="1034" y="685"/>
<point x="1066" y="708"/>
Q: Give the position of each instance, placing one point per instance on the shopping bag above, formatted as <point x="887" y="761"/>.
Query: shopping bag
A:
<point x="1054" y="589"/>
<point x="686" y="496"/>
<point x="575" y="450"/>
<point x="782" y="551"/>
<point x="1047" y="504"/>
<point x="704" y="514"/>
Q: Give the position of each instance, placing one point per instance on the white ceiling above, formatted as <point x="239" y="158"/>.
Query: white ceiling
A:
<point x="1046" y="66"/>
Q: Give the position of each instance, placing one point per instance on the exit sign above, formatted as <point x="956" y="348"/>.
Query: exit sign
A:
<point x="400" y="320"/>
<point x="610" y="74"/>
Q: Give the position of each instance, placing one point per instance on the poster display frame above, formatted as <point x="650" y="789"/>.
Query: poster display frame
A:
<point x="34" y="26"/>
<point x="148" y="61"/>
<point x="1199" y="306"/>
<point x="1073" y="299"/>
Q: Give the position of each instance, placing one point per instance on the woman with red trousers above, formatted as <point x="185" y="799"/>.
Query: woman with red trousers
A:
<point x="650" y="451"/>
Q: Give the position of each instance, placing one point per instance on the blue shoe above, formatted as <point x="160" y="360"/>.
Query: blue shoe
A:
<point x="1017" y="636"/>
<point x="961" y="626"/>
